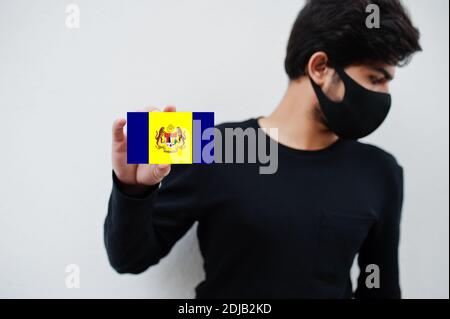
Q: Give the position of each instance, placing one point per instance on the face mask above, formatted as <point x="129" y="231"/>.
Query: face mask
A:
<point x="359" y="114"/>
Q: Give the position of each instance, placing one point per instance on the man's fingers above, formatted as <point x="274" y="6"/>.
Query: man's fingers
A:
<point x="150" y="109"/>
<point x="117" y="130"/>
<point x="170" y="108"/>
<point x="160" y="171"/>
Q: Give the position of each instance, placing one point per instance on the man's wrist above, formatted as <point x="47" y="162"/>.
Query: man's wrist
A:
<point x="135" y="191"/>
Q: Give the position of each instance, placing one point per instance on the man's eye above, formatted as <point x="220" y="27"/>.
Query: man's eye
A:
<point x="377" y="80"/>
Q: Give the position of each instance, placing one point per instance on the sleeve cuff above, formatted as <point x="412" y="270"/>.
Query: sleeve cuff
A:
<point x="145" y="194"/>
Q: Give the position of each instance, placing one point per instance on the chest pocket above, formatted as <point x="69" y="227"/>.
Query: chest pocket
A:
<point x="339" y="239"/>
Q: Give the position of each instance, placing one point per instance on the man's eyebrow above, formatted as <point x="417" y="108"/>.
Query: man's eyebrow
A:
<point x="386" y="74"/>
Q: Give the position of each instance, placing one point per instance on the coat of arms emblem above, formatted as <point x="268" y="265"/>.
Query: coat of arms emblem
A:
<point x="170" y="139"/>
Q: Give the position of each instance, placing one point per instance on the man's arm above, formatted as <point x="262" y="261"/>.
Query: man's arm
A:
<point x="140" y="229"/>
<point x="145" y="219"/>
<point x="128" y="240"/>
<point x="381" y="247"/>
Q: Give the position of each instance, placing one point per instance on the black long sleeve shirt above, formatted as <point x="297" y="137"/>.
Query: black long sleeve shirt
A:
<point x="293" y="234"/>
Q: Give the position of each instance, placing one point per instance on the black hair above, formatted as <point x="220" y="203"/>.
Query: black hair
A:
<point x="338" y="28"/>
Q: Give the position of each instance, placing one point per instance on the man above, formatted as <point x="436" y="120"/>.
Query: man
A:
<point x="295" y="233"/>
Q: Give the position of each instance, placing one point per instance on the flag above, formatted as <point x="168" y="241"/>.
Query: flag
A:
<point x="169" y="137"/>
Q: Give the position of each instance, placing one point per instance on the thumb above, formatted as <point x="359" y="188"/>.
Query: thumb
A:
<point x="160" y="171"/>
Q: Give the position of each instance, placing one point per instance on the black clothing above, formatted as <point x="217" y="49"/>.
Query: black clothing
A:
<point x="293" y="234"/>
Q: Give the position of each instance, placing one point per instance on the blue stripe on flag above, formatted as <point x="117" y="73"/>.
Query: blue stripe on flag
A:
<point x="137" y="137"/>
<point x="201" y="122"/>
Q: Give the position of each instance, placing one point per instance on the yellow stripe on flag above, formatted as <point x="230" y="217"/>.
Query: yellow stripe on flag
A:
<point x="170" y="138"/>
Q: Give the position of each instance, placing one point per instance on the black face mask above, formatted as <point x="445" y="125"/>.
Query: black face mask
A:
<point x="359" y="114"/>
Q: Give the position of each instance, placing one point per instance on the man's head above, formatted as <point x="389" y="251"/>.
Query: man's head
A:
<point x="329" y="34"/>
<point x="338" y="28"/>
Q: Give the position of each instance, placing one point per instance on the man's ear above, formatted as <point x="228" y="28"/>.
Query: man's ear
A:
<point x="318" y="67"/>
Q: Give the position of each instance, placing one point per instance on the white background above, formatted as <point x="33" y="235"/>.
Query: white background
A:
<point x="60" y="90"/>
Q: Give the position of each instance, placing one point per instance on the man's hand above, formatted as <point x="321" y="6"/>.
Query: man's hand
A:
<point x="140" y="175"/>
